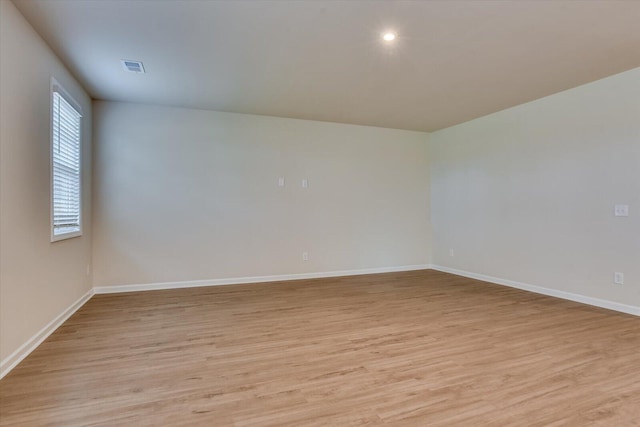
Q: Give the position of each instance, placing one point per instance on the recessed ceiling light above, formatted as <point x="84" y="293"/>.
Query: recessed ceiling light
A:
<point x="389" y="36"/>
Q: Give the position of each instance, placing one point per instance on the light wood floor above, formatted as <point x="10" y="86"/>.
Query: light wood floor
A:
<point x="402" y="349"/>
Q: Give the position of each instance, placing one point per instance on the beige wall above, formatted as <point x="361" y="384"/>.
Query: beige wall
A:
<point x="38" y="279"/>
<point x="186" y="194"/>
<point x="527" y="194"/>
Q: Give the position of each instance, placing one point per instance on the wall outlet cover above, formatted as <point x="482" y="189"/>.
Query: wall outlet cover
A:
<point x="618" y="278"/>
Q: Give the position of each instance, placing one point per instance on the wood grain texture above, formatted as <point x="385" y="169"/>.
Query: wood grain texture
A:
<point x="404" y="349"/>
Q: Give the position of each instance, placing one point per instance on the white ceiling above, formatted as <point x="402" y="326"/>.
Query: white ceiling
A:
<point x="324" y="60"/>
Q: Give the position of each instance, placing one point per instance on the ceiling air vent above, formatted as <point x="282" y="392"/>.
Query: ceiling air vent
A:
<point x="132" y="66"/>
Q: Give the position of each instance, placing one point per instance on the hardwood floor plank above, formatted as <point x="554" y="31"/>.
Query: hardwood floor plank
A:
<point x="403" y="349"/>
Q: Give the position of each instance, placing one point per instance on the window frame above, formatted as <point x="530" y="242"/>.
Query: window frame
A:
<point x="56" y="87"/>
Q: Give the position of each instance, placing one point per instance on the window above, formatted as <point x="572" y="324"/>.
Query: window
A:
<point x="66" y="207"/>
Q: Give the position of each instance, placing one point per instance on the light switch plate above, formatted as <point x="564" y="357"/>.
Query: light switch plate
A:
<point x="621" y="210"/>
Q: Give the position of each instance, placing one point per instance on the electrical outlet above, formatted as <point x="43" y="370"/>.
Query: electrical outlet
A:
<point x="450" y="252"/>
<point x="305" y="183"/>
<point x="618" y="278"/>
<point x="305" y="256"/>
<point x="281" y="181"/>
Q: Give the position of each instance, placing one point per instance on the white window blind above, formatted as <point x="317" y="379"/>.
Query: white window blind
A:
<point x="65" y="157"/>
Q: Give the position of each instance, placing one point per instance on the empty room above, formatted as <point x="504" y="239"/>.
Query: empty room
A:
<point x="319" y="213"/>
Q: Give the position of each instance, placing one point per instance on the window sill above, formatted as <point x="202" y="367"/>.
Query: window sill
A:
<point x="65" y="236"/>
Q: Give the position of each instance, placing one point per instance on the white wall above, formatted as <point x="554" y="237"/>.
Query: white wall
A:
<point x="186" y="195"/>
<point x="38" y="279"/>
<point x="527" y="194"/>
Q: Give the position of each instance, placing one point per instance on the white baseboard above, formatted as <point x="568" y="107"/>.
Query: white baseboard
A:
<point x="25" y="349"/>
<point x="253" y="279"/>
<point x="611" y="305"/>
